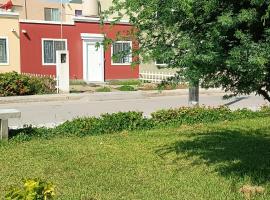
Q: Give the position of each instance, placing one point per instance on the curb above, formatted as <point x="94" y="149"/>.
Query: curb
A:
<point x="103" y="96"/>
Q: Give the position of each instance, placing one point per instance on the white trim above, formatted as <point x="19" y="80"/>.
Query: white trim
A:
<point x="9" y="14"/>
<point x="7" y="49"/>
<point x="74" y="19"/>
<point x="89" y="38"/>
<point x="161" y="65"/>
<point x="121" y="64"/>
<point x="92" y="36"/>
<point x="42" y="49"/>
<point x="97" y="20"/>
<point x="45" y="22"/>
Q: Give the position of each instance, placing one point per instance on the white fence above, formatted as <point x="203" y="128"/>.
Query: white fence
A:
<point x="155" y="77"/>
<point x="39" y="75"/>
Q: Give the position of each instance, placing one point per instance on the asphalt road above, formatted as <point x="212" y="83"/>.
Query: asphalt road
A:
<point x="53" y="113"/>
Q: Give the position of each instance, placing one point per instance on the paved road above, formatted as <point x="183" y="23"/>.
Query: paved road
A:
<point x="52" y="113"/>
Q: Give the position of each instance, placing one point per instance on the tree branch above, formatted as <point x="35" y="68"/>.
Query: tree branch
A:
<point x="264" y="94"/>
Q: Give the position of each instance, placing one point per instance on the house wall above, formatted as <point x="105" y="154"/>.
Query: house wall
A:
<point x="34" y="9"/>
<point x="11" y="23"/>
<point x="31" y="48"/>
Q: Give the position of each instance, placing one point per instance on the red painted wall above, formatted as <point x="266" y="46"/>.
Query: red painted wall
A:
<point x="31" y="48"/>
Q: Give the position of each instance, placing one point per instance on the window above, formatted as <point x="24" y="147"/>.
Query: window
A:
<point x="52" y="14"/>
<point x="161" y="63"/>
<point x="121" y="52"/>
<point x="3" y="51"/>
<point x="49" y="48"/>
<point x="78" y="13"/>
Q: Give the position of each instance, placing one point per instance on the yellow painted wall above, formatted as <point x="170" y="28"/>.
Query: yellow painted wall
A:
<point x="11" y="31"/>
<point x="70" y="10"/>
<point x="34" y="9"/>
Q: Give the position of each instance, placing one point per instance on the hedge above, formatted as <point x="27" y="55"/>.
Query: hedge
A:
<point x="12" y="84"/>
<point x="130" y="121"/>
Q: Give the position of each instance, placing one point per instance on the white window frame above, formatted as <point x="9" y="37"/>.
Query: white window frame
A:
<point x="7" y="49"/>
<point x="130" y="59"/>
<point x="42" y="49"/>
<point x="161" y="65"/>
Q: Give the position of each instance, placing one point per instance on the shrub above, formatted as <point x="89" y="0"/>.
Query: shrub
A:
<point x="186" y="115"/>
<point x="12" y="84"/>
<point x="126" y="88"/>
<point x="103" y="89"/>
<point x="33" y="189"/>
<point x="129" y="121"/>
<point x="107" y="123"/>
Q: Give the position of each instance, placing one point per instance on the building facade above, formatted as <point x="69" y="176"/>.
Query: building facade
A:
<point x="32" y="21"/>
<point x="41" y="40"/>
<point x="9" y="42"/>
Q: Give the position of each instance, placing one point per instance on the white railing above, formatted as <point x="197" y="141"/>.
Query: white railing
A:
<point x="155" y="77"/>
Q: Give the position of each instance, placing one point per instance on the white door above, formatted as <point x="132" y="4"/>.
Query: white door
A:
<point x="95" y="63"/>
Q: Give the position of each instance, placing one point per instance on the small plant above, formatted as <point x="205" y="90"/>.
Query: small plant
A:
<point x="126" y="88"/>
<point x="125" y="82"/>
<point x="103" y="89"/>
<point x="249" y="191"/>
<point x="148" y="86"/>
<point x="33" y="189"/>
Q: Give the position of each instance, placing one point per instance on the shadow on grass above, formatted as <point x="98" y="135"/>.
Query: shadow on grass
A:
<point x="232" y="152"/>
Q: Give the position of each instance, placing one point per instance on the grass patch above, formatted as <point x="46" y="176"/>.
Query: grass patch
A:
<point x="77" y="82"/>
<point x="202" y="162"/>
<point x="125" y="82"/>
<point x="103" y="89"/>
<point x="126" y="88"/>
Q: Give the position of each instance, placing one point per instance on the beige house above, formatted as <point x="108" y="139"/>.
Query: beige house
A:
<point x="9" y="42"/>
<point x="52" y="10"/>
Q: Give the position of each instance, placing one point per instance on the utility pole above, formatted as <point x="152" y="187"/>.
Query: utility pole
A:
<point x="25" y="8"/>
<point x="61" y="18"/>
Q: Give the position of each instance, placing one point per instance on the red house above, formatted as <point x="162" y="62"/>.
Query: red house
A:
<point x="39" y="41"/>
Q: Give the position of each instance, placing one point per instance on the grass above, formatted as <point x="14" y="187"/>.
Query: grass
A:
<point x="125" y="82"/>
<point x="103" y="89"/>
<point x="77" y="82"/>
<point x="126" y="88"/>
<point x="200" y="162"/>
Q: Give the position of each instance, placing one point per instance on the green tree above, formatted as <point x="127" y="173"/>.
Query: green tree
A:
<point x="223" y="43"/>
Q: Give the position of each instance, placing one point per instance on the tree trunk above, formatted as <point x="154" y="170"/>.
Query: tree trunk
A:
<point x="264" y="94"/>
<point x="193" y="99"/>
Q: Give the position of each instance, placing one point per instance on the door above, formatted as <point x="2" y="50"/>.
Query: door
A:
<point x="95" y="62"/>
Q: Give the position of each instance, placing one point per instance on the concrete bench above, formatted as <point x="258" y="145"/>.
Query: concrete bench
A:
<point x="6" y="114"/>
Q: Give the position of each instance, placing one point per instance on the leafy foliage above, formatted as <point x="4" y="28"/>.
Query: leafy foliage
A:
<point x="12" y="84"/>
<point x="103" y="89"/>
<point x="107" y="123"/>
<point x="33" y="189"/>
<point x="125" y="82"/>
<point x="126" y="88"/>
<point x="223" y="43"/>
<point x="130" y="121"/>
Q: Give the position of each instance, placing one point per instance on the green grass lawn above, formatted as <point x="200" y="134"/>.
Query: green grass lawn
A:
<point x="189" y="162"/>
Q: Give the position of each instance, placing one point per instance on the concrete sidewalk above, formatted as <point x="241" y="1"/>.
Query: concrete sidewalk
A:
<point x="103" y="96"/>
